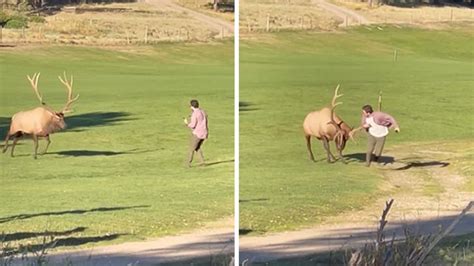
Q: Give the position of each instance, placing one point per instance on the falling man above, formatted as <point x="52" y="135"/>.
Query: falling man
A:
<point x="199" y="126"/>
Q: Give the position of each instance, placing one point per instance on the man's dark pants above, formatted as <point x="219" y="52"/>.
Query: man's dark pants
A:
<point x="195" y="146"/>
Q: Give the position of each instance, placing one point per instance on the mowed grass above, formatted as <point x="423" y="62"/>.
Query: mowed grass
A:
<point x="118" y="172"/>
<point x="429" y="89"/>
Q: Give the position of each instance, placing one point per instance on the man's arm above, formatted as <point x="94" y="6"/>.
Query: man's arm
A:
<point x="193" y="122"/>
<point x="387" y="120"/>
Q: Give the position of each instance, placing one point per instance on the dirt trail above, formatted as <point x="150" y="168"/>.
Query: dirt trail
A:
<point x="427" y="191"/>
<point x="348" y="16"/>
<point x="216" y="24"/>
<point x="216" y="239"/>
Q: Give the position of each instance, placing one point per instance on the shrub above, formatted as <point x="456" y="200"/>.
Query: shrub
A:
<point x="17" y="22"/>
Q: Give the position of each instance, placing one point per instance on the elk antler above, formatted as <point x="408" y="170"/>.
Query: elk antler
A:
<point x="380" y="102"/>
<point x="68" y="85"/>
<point x="34" y="84"/>
<point x="333" y="106"/>
<point x="352" y="133"/>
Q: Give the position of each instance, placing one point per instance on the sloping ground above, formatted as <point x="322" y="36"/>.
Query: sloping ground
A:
<point x="349" y="17"/>
<point x="428" y="185"/>
<point x="123" y="24"/>
<point x="217" y="24"/>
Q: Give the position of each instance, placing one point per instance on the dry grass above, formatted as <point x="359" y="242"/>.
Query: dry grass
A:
<point x="122" y="24"/>
<point x="421" y="15"/>
<point x="283" y="15"/>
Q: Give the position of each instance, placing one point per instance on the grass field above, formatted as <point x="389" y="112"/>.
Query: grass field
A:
<point x="284" y="76"/>
<point x="118" y="172"/>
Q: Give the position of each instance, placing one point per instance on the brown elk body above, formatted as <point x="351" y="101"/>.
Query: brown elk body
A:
<point x="326" y="126"/>
<point x="39" y="122"/>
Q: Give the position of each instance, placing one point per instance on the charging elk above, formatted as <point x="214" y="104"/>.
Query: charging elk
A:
<point x="326" y="126"/>
<point x="41" y="121"/>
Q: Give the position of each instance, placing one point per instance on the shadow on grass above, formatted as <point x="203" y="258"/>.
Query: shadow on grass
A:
<point x="87" y="153"/>
<point x="219" y="162"/>
<point x="247" y="106"/>
<point x="26" y="235"/>
<point x="60" y="242"/>
<point x="244" y="231"/>
<point x="423" y="164"/>
<point x="252" y="200"/>
<point x="407" y="162"/>
<point x="103" y="209"/>
<point x="76" y="123"/>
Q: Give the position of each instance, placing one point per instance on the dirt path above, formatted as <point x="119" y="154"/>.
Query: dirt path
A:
<point x="214" y="240"/>
<point x="348" y="16"/>
<point x="217" y="25"/>
<point x="427" y="191"/>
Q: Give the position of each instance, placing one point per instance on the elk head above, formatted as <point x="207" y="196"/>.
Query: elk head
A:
<point x="57" y="119"/>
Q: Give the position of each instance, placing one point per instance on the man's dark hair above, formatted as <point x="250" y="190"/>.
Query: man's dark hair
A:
<point x="194" y="103"/>
<point x="368" y="109"/>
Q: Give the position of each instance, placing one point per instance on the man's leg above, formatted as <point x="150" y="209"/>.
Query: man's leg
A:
<point x="193" y="146"/>
<point x="371" y="140"/>
<point x="379" y="147"/>
<point x="199" y="150"/>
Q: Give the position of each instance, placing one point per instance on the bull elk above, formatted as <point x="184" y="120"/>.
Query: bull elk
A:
<point x="326" y="126"/>
<point x="41" y="121"/>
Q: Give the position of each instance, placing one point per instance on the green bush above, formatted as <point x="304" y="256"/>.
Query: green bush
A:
<point x="17" y="22"/>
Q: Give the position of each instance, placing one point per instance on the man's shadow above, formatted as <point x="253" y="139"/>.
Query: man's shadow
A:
<point x="404" y="163"/>
<point x="360" y="157"/>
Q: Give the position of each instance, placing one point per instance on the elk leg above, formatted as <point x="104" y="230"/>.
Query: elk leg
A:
<point x="331" y="157"/>
<point x="308" y="145"/>
<point x="47" y="144"/>
<point x="5" y="148"/>
<point x="35" y="140"/>
<point x="341" y="157"/>
<point x="15" y="140"/>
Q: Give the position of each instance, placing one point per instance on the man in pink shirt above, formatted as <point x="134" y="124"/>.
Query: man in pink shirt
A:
<point x="199" y="127"/>
<point x="377" y="125"/>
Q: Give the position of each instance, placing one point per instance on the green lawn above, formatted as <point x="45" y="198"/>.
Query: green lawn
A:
<point x="118" y="172"/>
<point x="429" y="89"/>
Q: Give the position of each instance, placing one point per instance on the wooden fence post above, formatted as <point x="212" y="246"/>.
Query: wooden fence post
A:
<point x="146" y="34"/>
<point x="268" y="22"/>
